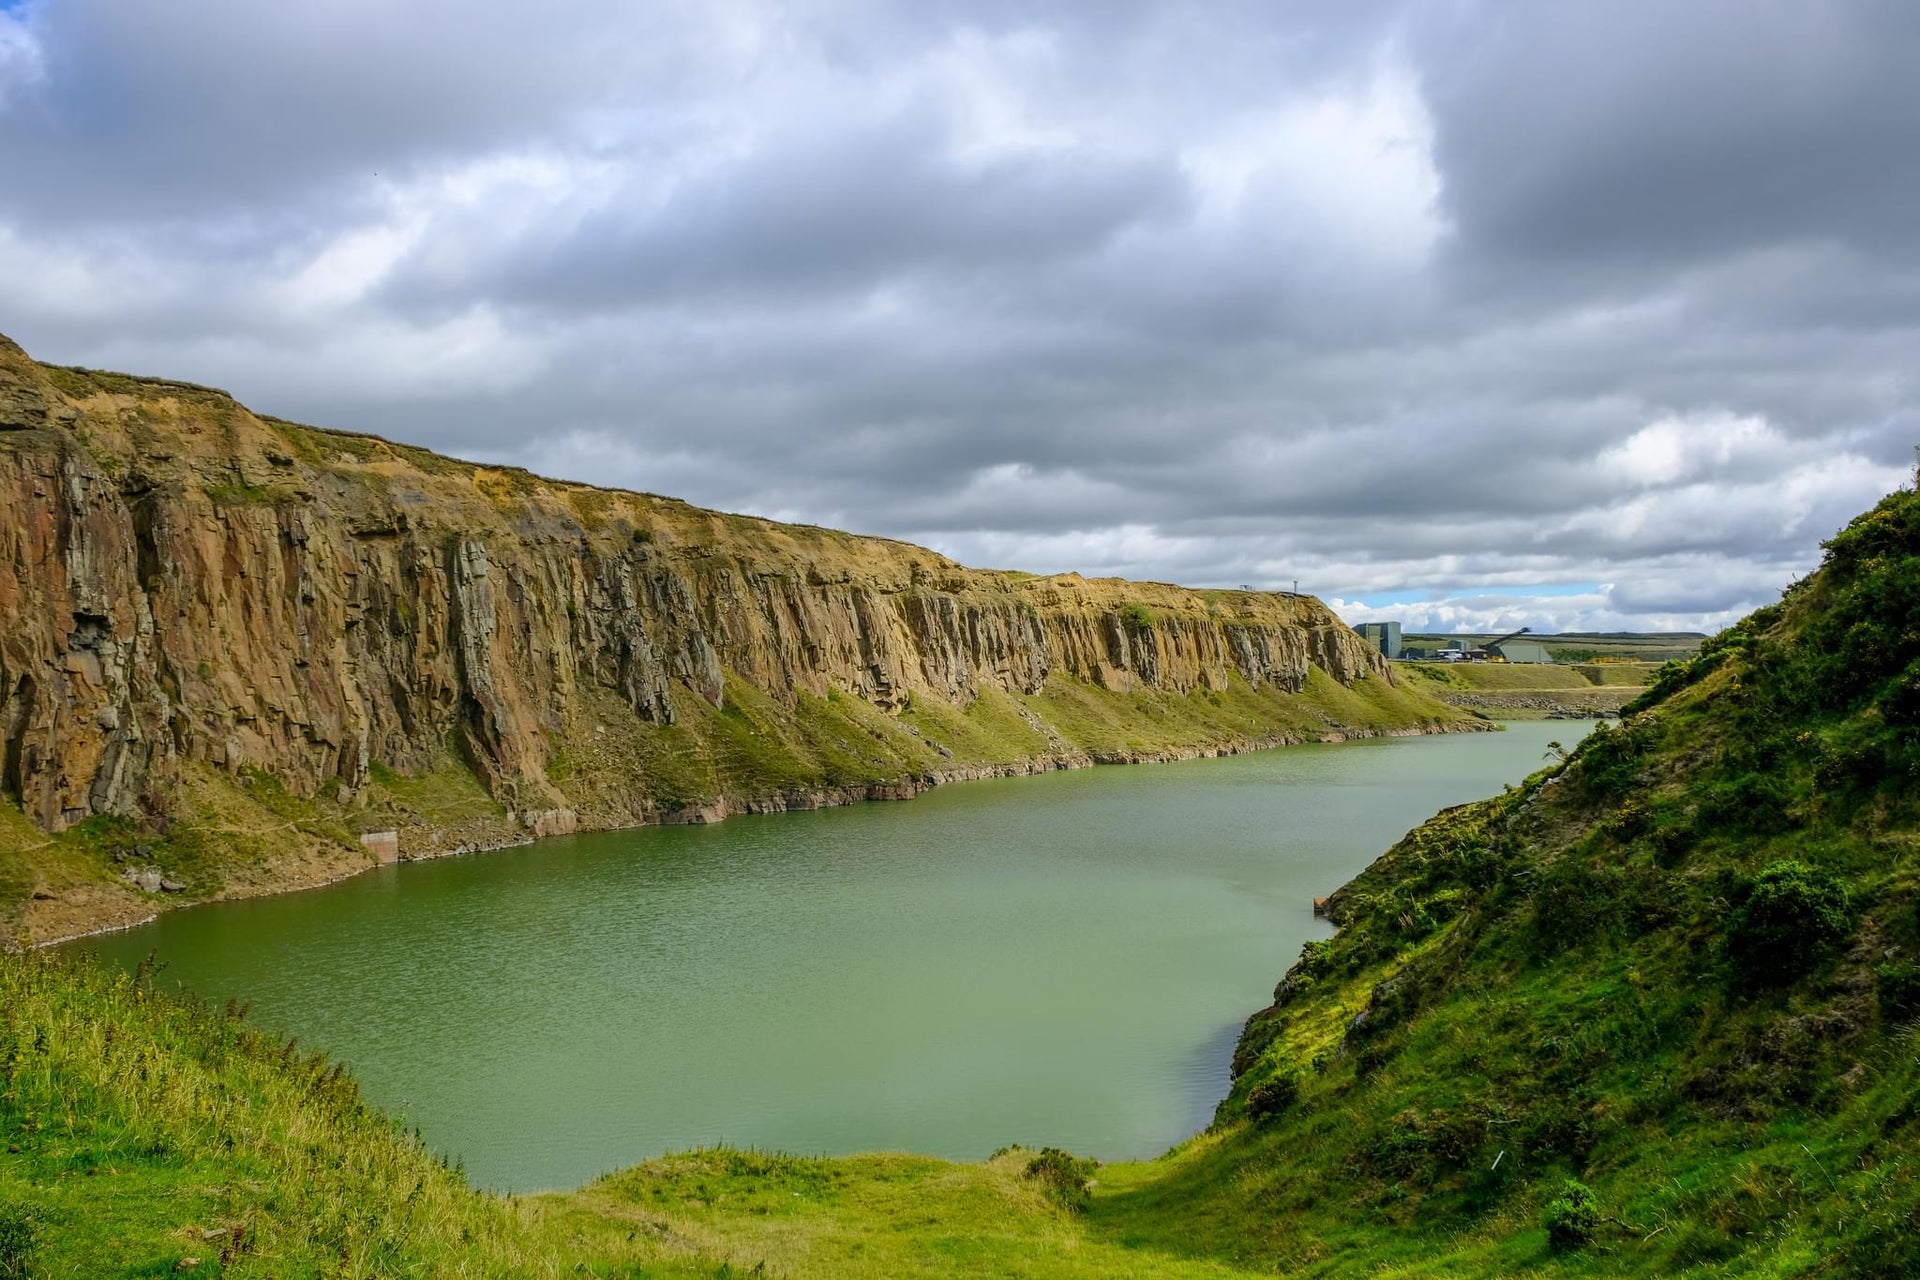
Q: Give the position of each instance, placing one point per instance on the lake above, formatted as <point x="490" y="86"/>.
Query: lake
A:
<point x="1061" y="960"/>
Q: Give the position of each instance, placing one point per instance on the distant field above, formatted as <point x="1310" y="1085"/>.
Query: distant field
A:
<point x="1528" y="690"/>
<point x="1502" y="675"/>
<point x="1585" y="647"/>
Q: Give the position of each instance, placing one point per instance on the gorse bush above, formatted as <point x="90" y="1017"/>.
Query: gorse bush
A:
<point x="1064" y="1177"/>
<point x="1572" y="1217"/>
<point x="1793" y="916"/>
<point x="1271" y="1097"/>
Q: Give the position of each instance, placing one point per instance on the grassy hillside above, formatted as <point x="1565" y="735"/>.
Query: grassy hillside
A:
<point x="1678" y="967"/>
<point x="1652" y="1012"/>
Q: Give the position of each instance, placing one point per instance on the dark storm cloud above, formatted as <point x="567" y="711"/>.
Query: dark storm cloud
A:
<point x="1594" y="314"/>
<point x="1644" y="132"/>
<point x="841" y="214"/>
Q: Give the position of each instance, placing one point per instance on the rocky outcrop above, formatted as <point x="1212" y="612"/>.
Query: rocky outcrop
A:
<point x="186" y="585"/>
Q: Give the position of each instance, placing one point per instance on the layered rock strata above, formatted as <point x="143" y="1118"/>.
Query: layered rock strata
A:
<point x="184" y="584"/>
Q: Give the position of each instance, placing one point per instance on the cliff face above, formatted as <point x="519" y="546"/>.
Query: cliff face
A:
<point x="188" y="590"/>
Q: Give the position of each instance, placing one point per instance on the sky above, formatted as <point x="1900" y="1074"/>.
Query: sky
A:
<point x="1581" y="316"/>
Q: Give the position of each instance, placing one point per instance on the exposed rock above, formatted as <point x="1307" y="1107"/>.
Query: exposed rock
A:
<point x="186" y="586"/>
<point x="541" y="823"/>
<point x="383" y="845"/>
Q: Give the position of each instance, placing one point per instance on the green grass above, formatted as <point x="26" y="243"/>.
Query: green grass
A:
<point x="1635" y="675"/>
<point x="872" y="1217"/>
<point x="250" y="495"/>
<point x="1528" y="690"/>
<point x="990" y="730"/>
<point x="138" y="1126"/>
<point x="1501" y="676"/>
<point x="445" y="794"/>
<point x="1149" y="721"/>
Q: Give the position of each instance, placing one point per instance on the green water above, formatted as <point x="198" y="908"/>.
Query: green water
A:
<point x="1064" y="959"/>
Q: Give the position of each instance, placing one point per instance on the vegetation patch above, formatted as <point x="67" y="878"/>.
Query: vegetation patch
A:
<point x="251" y="495"/>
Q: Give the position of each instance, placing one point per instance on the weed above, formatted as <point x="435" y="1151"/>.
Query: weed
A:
<point x="1572" y="1217"/>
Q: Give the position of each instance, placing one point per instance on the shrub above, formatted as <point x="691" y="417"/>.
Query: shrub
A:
<point x="1271" y="1097"/>
<point x="1064" y="1177"/>
<point x="1633" y="816"/>
<point x="1792" y="917"/>
<point x="1376" y="1054"/>
<point x="1135" y="616"/>
<point x="1899" y="989"/>
<point x="1572" y="1217"/>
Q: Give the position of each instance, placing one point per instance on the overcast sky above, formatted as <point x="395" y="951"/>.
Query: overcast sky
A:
<point x="1473" y="315"/>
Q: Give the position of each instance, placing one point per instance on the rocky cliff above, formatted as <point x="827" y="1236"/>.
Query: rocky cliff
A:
<point x="214" y="625"/>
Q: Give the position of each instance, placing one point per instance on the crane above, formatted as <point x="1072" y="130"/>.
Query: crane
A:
<point x="1492" y="647"/>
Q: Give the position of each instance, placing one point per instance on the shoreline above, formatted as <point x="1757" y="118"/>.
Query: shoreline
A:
<point x="803" y="801"/>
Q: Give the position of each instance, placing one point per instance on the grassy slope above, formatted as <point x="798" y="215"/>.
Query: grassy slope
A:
<point x="1558" y="975"/>
<point x="1555" y="983"/>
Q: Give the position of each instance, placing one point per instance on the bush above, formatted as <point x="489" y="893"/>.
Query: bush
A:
<point x="1899" y="989"/>
<point x="18" y="1242"/>
<point x="1135" y="616"/>
<point x="1271" y="1097"/>
<point x="1572" y="1217"/>
<point x="1064" y="1177"/>
<point x="1792" y="917"/>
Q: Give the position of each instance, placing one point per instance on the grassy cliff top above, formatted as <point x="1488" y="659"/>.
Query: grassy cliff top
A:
<point x="182" y="433"/>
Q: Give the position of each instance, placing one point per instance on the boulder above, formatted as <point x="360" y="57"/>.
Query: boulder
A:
<point x="383" y="845"/>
